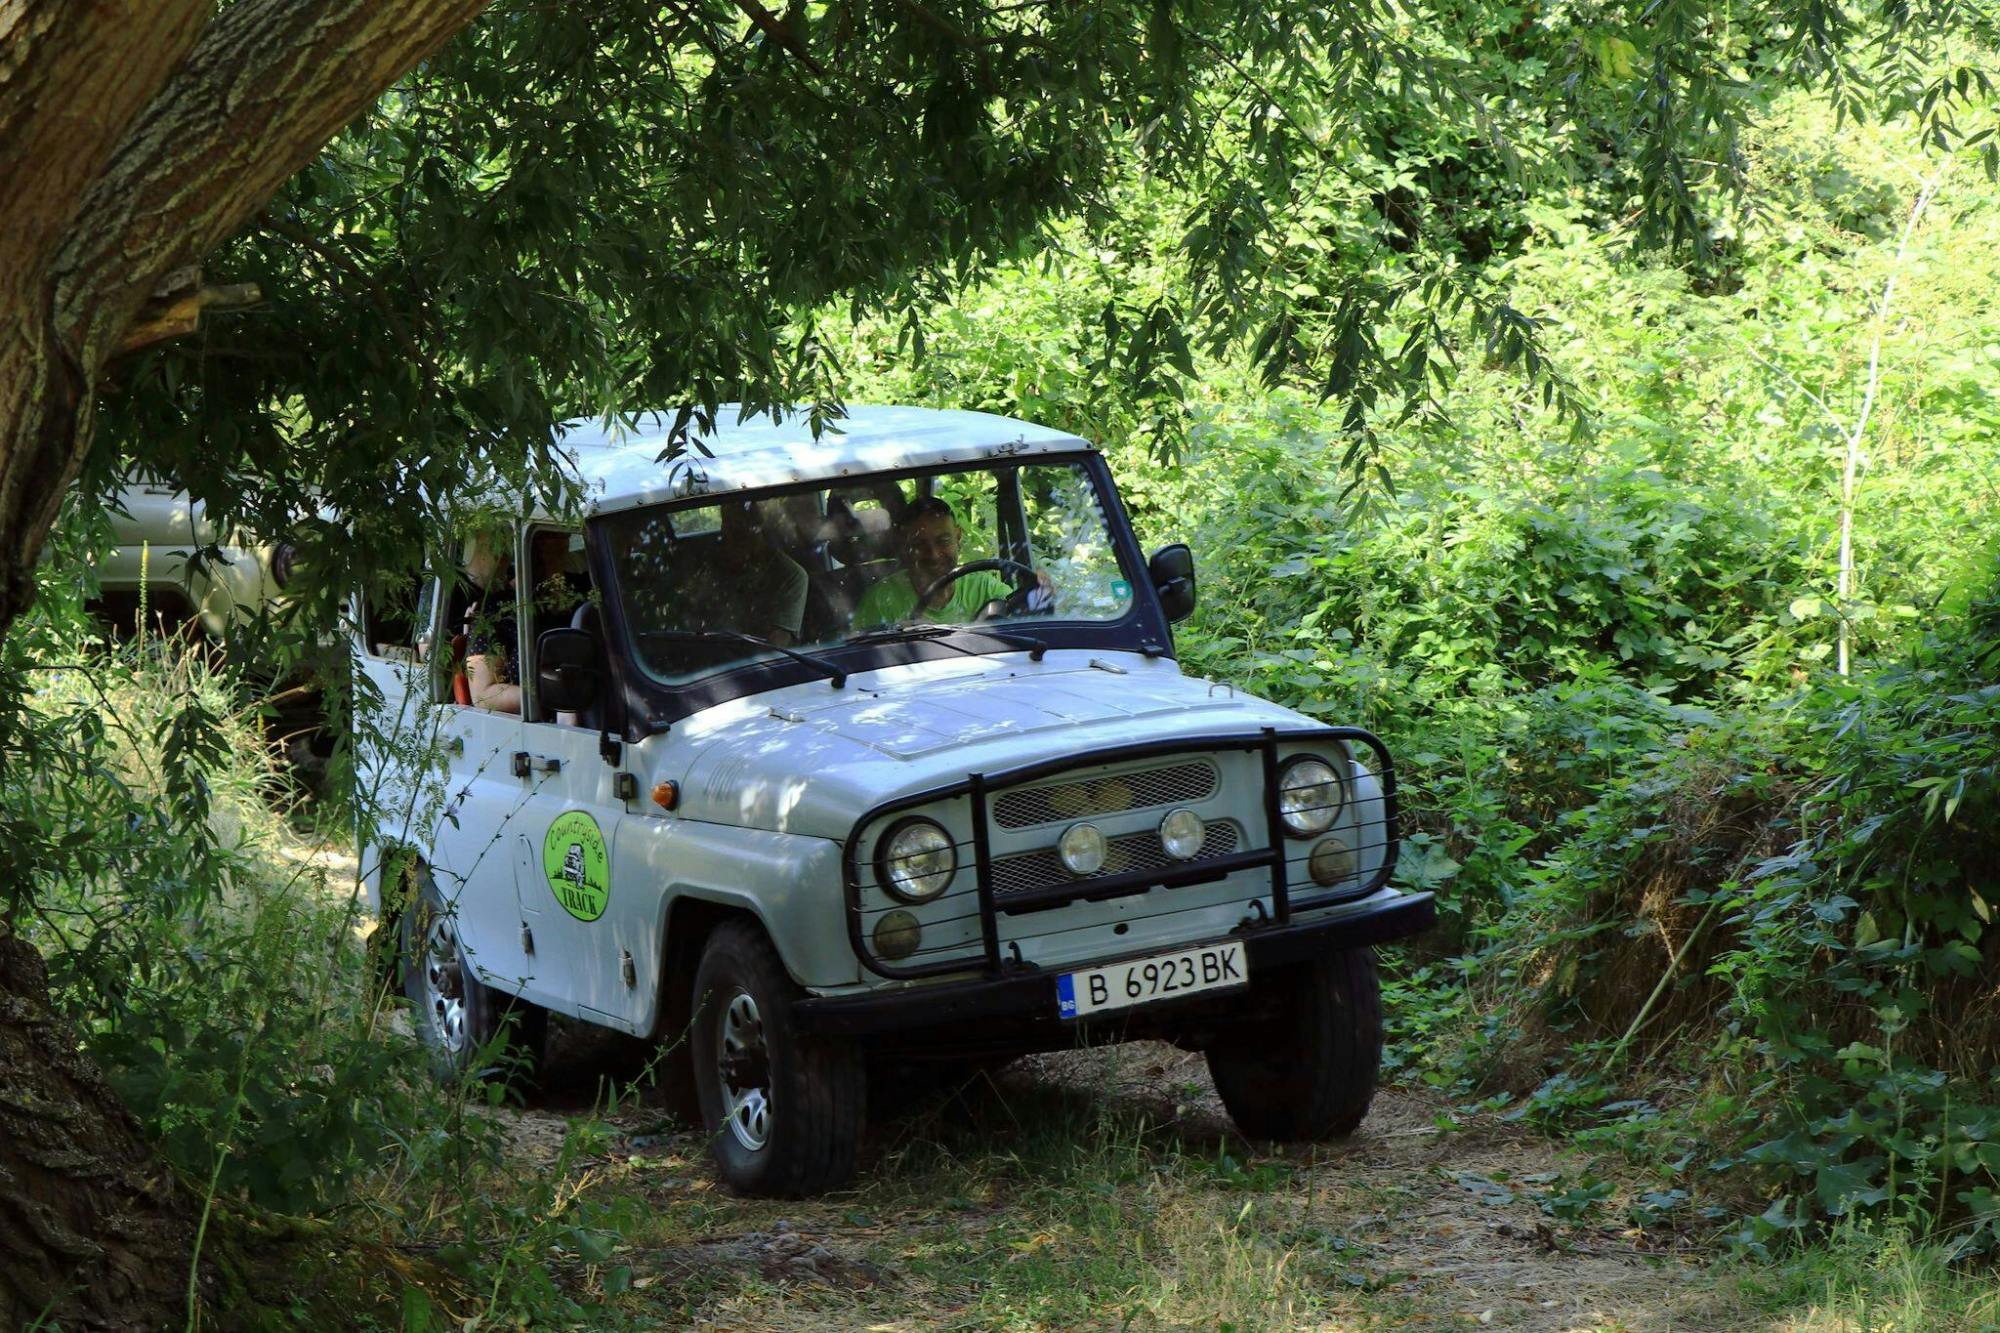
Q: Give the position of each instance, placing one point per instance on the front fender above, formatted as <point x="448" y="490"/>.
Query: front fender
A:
<point x="789" y="882"/>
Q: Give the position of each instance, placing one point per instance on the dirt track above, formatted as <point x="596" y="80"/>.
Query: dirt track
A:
<point x="1411" y="1223"/>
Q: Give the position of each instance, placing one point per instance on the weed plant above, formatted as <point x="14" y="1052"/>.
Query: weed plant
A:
<point x="1704" y="899"/>
<point x="206" y="938"/>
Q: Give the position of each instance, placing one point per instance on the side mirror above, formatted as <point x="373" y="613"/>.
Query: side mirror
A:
<point x="1172" y="571"/>
<point x="566" y="674"/>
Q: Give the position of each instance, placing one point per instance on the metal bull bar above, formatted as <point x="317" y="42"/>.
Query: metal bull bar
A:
<point x="979" y="789"/>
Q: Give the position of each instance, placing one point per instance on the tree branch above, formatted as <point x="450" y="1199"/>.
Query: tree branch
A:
<point x="135" y="136"/>
<point x="74" y="75"/>
<point x="180" y="313"/>
<point x="269" y="82"/>
<point x="778" y="31"/>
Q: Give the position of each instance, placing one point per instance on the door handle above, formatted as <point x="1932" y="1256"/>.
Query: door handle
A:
<point x="525" y="763"/>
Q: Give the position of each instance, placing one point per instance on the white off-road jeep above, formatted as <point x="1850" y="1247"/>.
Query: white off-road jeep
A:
<point x="867" y="749"/>
<point x="160" y="531"/>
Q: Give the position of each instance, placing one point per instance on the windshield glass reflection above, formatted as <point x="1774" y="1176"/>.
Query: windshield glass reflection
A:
<point x="1002" y="551"/>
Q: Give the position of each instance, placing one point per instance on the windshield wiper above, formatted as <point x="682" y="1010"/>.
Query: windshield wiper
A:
<point x="834" y="674"/>
<point x="932" y="632"/>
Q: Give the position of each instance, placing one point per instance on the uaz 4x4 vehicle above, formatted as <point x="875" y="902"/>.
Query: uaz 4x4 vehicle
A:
<point x="824" y="753"/>
<point x="159" y="530"/>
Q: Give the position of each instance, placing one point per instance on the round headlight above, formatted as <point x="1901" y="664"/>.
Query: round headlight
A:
<point x="1181" y="834"/>
<point x="1082" y="849"/>
<point x="284" y="563"/>
<point x="916" y="861"/>
<point x="1310" y="795"/>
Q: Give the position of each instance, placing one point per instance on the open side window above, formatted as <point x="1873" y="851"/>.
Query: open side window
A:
<point x="480" y="630"/>
<point x="394" y="618"/>
<point x="559" y="596"/>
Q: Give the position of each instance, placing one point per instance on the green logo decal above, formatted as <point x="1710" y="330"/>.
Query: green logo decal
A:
<point x="573" y="859"/>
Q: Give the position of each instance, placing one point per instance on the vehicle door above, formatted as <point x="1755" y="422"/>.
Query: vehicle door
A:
<point x="388" y="631"/>
<point x="560" y="841"/>
<point x="480" y="789"/>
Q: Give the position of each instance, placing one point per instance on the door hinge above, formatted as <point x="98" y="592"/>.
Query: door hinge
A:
<point x="625" y="786"/>
<point x="527" y="939"/>
<point x="520" y="763"/>
<point x="631" y="972"/>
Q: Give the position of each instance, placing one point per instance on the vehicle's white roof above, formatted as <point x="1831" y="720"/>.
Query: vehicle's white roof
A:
<point x="619" y="468"/>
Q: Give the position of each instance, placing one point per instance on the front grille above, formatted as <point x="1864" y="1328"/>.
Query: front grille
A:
<point x="1025" y="871"/>
<point x="1059" y="802"/>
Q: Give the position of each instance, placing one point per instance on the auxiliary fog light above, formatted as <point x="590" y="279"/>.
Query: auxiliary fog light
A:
<point x="1331" y="862"/>
<point x="1181" y="834"/>
<point x="1082" y="849"/>
<point x="897" y="934"/>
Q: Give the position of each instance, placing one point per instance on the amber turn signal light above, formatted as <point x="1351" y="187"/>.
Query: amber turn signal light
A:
<point x="666" y="794"/>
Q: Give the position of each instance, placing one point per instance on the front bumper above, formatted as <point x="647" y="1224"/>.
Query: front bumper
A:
<point x="1273" y="850"/>
<point x="1018" y="1011"/>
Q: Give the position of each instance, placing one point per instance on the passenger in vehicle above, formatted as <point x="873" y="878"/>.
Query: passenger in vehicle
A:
<point x="928" y="536"/>
<point x="794" y="524"/>
<point x="491" y="632"/>
<point x="749" y="586"/>
<point x="561" y="584"/>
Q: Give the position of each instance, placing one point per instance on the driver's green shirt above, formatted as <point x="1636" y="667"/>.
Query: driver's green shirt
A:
<point x="894" y="599"/>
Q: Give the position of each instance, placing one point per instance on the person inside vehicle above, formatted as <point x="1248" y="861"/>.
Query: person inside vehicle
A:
<point x="928" y="535"/>
<point x="559" y="589"/>
<point x="748" y="585"/>
<point x="491" y="632"/>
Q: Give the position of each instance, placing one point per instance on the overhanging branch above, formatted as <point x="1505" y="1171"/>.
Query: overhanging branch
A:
<point x="267" y="84"/>
<point x="175" y="309"/>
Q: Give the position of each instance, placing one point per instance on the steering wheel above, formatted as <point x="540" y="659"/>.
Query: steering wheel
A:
<point x="1026" y="581"/>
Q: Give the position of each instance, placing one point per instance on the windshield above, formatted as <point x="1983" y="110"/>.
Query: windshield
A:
<point x="1006" y="550"/>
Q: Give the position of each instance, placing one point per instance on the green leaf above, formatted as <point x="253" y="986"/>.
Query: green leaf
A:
<point x="594" y="1247"/>
<point x="418" y="1313"/>
<point x="1848" y="1185"/>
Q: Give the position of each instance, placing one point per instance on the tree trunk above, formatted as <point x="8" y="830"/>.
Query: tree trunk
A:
<point x="92" y="1227"/>
<point x="135" y="136"/>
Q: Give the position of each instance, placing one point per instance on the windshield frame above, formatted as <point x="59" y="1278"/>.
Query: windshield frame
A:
<point x="651" y="703"/>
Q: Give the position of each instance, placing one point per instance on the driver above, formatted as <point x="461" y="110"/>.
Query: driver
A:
<point x="928" y="535"/>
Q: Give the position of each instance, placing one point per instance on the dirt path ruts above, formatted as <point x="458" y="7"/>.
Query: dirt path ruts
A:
<point x="1435" y="1226"/>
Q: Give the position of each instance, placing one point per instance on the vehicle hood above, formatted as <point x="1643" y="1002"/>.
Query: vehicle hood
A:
<point x="155" y="513"/>
<point x="809" y="759"/>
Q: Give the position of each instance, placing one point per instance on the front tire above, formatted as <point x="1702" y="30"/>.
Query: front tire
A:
<point x="783" y="1111"/>
<point x="1309" y="1074"/>
<point x="456" y="1014"/>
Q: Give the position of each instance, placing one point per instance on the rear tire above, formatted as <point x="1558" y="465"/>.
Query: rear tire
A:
<point x="783" y="1111"/>
<point x="457" y="1015"/>
<point x="1310" y="1073"/>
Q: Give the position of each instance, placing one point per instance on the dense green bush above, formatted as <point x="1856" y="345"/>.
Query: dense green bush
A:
<point x="208" y="950"/>
<point x="1683" y="866"/>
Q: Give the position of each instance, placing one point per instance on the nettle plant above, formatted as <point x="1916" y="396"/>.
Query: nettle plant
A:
<point x="1866" y="953"/>
<point x="1791" y="908"/>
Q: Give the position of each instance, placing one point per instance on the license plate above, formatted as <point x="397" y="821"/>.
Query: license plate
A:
<point x="1143" y="980"/>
